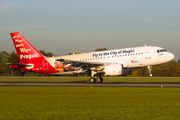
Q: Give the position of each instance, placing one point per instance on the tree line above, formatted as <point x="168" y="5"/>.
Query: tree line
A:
<point x="170" y="69"/>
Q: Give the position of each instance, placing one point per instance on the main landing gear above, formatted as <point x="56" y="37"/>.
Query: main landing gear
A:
<point x="93" y="80"/>
<point x="150" y="70"/>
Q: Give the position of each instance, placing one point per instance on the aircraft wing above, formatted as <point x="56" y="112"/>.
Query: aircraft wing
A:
<point x="85" y="65"/>
<point x="84" y="62"/>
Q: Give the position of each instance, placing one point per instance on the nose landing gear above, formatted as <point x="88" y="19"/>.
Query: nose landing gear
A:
<point x="150" y="71"/>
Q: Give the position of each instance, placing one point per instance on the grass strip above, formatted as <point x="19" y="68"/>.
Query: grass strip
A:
<point x="89" y="103"/>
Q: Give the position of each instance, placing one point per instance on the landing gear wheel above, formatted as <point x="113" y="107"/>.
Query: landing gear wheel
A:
<point x="99" y="79"/>
<point x="151" y="75"/>
<point x="92" y="80"/>
<point x="150" y="71"/>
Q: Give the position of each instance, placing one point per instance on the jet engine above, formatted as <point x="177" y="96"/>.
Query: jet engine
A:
<point x="117" y="70"/>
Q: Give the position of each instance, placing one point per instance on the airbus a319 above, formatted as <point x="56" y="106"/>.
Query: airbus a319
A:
<point x="111" y="62"/>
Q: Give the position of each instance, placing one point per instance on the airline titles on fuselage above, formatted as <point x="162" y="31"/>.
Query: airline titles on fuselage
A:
<point x="113" y="53"/>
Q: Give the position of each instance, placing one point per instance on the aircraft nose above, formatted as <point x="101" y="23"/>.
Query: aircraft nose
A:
<point x="171" y="56"/>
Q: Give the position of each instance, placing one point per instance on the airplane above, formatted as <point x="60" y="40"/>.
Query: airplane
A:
<point x="108" y="63"/>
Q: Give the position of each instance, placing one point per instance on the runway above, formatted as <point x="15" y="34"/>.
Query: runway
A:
<point x="114" y="84"/>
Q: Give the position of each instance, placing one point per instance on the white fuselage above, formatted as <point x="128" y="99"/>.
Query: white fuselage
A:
<point x="129" y="57"/>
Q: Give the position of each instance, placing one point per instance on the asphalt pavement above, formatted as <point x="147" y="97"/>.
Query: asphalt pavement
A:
<point x="113" y="84"/>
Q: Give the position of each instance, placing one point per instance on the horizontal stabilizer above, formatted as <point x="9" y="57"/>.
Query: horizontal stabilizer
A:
<point x="21" y="65"/>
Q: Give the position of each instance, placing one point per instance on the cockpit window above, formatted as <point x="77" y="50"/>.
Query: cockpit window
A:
<point x="163" y="51"/>
<point x="160" y="51"/>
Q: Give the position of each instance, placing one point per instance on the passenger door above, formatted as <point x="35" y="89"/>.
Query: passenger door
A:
<point x="147" y="52"/>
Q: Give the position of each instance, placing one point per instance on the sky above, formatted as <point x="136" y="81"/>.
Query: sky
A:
<point x="63" y="26"/>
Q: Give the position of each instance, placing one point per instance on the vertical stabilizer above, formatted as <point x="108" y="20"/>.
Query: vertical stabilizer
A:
<point x="25" y="51"/>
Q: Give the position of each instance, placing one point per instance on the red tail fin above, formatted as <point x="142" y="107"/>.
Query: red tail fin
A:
<point x="25" y="51"/>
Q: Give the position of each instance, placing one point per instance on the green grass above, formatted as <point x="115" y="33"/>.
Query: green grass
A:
<point x="89" y="103"/>
<point x="86" y="79"/>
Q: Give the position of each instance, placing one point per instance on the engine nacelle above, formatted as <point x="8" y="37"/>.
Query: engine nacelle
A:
<point x="113" y="69"/>
<point x="117" y="70"/>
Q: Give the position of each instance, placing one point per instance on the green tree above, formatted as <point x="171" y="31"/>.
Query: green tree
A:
<point x="179" y="61"/>
<point x="100" y="49"/>
<point x="12" y="58"/>
<point x="170" y="69"/>
<point x="71" y="53"/>
<point x="48" y="54"/>
<point x="43" y="52"/>
<point x="3" y="60"/>
<point x="1" y="68"/>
